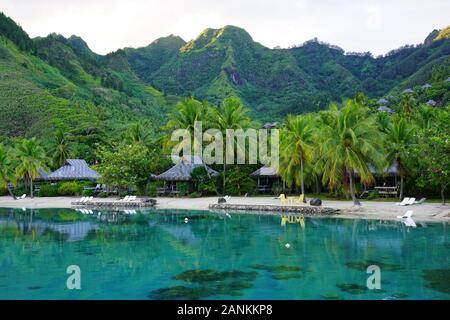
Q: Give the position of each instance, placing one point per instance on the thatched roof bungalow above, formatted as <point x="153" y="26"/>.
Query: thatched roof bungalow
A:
<point x="408" y="90"/>
<point x="385" y="109"/>
<point x="182" y="170"/>
<point x="73" y="169"/>
<point x="266" y="177"/>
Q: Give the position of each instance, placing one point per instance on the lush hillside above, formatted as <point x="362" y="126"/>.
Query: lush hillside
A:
<point x="54" y="82"/>
<point x="274" y="82"/>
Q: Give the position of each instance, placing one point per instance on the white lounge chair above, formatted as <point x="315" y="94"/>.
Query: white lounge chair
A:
<point x="420" y="201"/>
<point x="411" y="201"/>
<point x="407" y="215"/>
<point x="21" y="197"/>
<point x="83" y="199"/>
<point x="132" y="198"/>
<point x="125" y="199"/>
<point x="403" y="203"/>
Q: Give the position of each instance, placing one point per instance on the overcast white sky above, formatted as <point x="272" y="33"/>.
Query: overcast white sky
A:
<point x="354" y="25"/>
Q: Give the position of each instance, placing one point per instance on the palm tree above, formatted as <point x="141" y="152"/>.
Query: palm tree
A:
<point x="31" y="158"/>
<point x="62" y="149"/>
<point x="296" y="149"/>
<point x="138" y="133"/>
<point x="350" y="142"/>
<point x="6" y="170"/>
<point x="231" y="114"/>
<point x="400" y="137"/>
<point x="189" y="111"/>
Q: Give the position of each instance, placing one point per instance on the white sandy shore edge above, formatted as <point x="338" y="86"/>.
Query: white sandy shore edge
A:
<point x="368" y="209"/>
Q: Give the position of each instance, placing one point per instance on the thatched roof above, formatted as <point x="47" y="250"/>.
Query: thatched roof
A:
<point x="391" y="170"/>
<point x="409" y="90"/>
<point x="73" y="169"/>
<point x="431" y="102"/>
<point x="42" y="175"/>
<point x="182" y="171"/>
<point x="382" y="101"/>
<point x="265" y="172"/>
<point x="385" y="109"/>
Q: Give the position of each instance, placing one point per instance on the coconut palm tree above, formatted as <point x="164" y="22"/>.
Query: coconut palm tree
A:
<point x="350" y="142"/>
<point x="297" y="139"/>
<point x="400" y="137"/>
<point x="231" y="114"/>
<point x="62" y="149"/>
<point x="188" y="112"/>
<point x="31" y="158"/>
<point x="6" y="170"/>
<point x="138" y="133"/>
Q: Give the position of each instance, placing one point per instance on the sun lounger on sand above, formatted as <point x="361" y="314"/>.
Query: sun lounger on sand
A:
<point x="420" y="201"/>
<point x="406" y="202"/>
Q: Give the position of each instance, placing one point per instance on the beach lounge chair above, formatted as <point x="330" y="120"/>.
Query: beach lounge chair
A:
<point x="411" y="201"/>
<point x="403" y="203"/>
<point x="89" y="199"/>
<point x="420" y="201"/>
<point x="283" y="198"/>
<point x="83" y="199"/>
<point x="22" y="197"/>
<point x="407" y="215"/>
<point x="124" y="199"/>
<point x="132" y="198"/>
<point x="301" y="199"/>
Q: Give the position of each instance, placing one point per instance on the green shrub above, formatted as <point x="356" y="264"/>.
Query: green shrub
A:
<point x="48" y="190"/>
<point x="372" y="195"/>
<point x="70" y="189"/>
<point x="3" y="191"/>
<point x="195" y="195"/>
<point x="103" y="195"/>
<point x="88" y="193"/>
<point x="183" y="188"/>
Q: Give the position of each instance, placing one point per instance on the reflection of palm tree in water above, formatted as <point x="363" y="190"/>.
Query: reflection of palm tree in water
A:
<point x="23" y="220"/>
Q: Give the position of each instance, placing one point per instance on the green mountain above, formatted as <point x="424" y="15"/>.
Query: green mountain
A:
<point x="56" y="82"/>
<point x="274" y="82"/>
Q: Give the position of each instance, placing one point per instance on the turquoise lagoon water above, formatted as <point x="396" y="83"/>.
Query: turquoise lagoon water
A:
<point x="161" y="255"/>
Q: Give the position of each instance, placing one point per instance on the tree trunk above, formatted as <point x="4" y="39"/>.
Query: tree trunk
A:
<point x="224" y="177"/>
<point x="302" y="178"/>
<point x="31" y="188"/>
<point x="10" y="192"/>
<point x="443" y="193"/>
<point x="352" y="191"/>
<point x="401" y="186"/>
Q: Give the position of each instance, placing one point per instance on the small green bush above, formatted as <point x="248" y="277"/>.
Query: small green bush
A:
<point x="183" y="188"/>
<point x="48" y="190"/>
<point x="195" y="195"/>
<point x="104" y="195"/>
<point x="70" y="189"/>
<point x="88" y="193"/>
<point x="372" y="195"/>
<point x="4" y="191"/>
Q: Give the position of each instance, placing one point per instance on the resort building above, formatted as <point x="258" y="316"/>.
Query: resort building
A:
<point x="266" y="177"/>
<point x="181" y="173"/>
<point x="431" y="103"/>
<point x="385" y="109"/>
<point x="408" y="90"/>
<point x="73" y="169"/>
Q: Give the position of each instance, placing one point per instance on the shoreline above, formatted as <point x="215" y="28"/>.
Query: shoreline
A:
<point x="432" y="212"/>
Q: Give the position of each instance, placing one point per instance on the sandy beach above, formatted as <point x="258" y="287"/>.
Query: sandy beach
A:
<point x="368" y="209"/>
